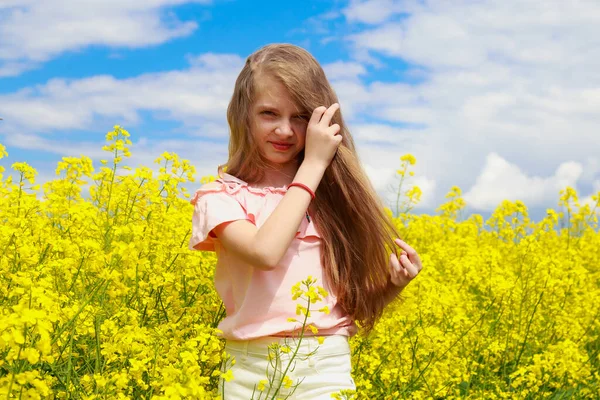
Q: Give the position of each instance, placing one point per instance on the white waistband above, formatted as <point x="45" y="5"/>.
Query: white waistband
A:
<point x="332" y="344"/>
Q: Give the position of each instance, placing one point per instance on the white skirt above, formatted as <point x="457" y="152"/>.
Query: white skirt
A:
<point x="316" y="372"/>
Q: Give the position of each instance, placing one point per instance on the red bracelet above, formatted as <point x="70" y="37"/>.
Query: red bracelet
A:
<point x="303" y="186"/>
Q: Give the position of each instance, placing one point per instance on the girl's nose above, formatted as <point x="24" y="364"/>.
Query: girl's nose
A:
<point x="284" y="128"/>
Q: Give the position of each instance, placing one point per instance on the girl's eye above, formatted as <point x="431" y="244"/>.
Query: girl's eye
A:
<point x="302" y="117"/>
<point x="268" y="113"/>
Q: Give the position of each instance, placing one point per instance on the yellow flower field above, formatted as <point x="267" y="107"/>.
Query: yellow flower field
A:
<point x="100" y="297"/>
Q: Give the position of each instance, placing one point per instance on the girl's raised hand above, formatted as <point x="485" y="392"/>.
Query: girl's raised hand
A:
<point x="322" y="140"/>
<point x="406" y="268"/>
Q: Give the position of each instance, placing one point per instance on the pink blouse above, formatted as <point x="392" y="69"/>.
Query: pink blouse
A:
<point x="259" y="303"/>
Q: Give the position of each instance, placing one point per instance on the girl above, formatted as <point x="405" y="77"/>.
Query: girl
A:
<point x="271" y="228"/>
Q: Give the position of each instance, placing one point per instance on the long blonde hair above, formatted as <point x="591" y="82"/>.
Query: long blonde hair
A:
<point x="357" y="234"/>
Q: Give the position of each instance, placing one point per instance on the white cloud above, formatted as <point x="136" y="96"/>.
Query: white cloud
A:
<point x="374" y="11"/>
<point x="384" y="135"/>
<point x="63" y="148"/>
<point x="197" y="97"/>
<point x="11" y="68"/>
<point x="588" y="199"/>
<point x="344" y="70"/>
<point x="387" y="184"/>
<point x="392" y="102"/>
<point x="447" y="42"/>
<point x="500" y="180"/>
<point x="32" y="32"/>
<point x="497" y="77"/>
<point x="380" y="147"/>
<point x="591" y="168"/>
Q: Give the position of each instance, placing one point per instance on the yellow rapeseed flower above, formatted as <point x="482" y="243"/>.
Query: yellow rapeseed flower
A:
<point x="96" y="277"/>
<point x="227" y="376"/>
<point x="409" y="158"/>
<point x="3" y="152"/>
<point x="262" y="384"/>
<point x="287" y="382"/>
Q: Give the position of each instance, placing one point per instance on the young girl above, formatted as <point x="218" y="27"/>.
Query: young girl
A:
<point x="295" y="202"/>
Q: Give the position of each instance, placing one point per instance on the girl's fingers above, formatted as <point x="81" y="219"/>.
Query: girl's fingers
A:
<point x="393" y="273"/>
<point x="334" y="129"/>
<point x="410" y="252"/>
<point x="406" y="266"/>
<point x="410" y="267"/>
<point x="328" y="115"/>
<point x="398" y="274"/>
<point x="405" y="246"/>
<point x="395" y="263"/>
<point x="316" y="115"/>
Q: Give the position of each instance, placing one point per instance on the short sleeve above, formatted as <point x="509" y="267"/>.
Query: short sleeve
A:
<point x="212" y="208"/>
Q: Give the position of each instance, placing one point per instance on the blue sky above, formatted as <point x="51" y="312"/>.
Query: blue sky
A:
<point x="498" y="98"/>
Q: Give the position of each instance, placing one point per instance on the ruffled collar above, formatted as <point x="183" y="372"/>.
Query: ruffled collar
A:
<point x="227" y="178"/>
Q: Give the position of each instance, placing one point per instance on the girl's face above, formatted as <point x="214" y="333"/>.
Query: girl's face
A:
<point x="278" y="126"/>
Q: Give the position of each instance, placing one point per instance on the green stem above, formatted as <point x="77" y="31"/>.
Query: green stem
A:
<point x="296" y="351"/>
<point x="400" y="191"/>
<point x="112" y="181"/>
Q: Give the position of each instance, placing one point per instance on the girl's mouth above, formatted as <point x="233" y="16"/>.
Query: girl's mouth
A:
<point x="281" y="147"/>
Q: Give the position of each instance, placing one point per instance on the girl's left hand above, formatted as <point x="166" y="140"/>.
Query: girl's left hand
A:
<point x="406" y="268"/>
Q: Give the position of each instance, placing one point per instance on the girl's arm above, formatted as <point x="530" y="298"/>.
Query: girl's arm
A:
<point x="392" y="293"/>
<point x="264" y="247"/>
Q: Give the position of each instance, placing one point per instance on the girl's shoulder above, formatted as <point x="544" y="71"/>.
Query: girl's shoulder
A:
<point x="211" y="186"/>
<point x="236" y="187"/>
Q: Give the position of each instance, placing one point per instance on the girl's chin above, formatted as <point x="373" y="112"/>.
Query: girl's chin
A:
<point x="280" y="161"/>
<point x="272" y="152"/>
<point x="278" y="158"/>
